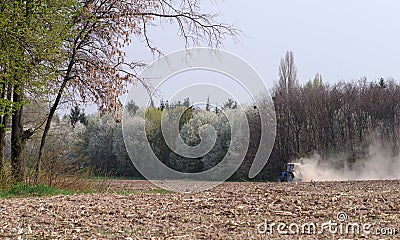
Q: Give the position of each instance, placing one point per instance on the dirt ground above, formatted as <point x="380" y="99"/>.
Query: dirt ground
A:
<point x="337" y="210"/>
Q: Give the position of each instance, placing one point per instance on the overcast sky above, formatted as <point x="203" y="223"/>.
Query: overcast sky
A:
<point x="340" y="39"/>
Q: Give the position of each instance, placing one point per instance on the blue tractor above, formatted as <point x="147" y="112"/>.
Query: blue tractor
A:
<point x="292" y="173"/>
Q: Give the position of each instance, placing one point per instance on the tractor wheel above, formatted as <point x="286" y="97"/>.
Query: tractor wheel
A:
<point x="290" y="177"/>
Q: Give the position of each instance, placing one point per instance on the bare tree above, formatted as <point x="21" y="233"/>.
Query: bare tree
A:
<point x="286" y="92"/>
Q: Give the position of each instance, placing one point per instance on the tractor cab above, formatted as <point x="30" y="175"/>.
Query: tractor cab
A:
<point x="292" y="174"/>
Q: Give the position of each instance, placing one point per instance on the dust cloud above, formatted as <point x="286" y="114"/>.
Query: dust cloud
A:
<point x="379" y="164"/>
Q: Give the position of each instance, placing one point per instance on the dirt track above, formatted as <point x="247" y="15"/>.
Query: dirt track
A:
<point x="230" y="211"/>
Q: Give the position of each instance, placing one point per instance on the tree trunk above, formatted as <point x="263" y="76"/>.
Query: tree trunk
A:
<point x="48" y="125"/>
<point x="18" y="139"/>
<point x="53" y="109"/>
<point x="6" y="94"/>
<point x="3" y="131"/>
<point x="17" y="161"/>
<point x="2" y="143"/>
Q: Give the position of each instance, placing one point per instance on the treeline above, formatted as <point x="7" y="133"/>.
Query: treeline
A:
<point x="342" y="119"/>
<point x="102" y="140"/>
<point x="331" y="119"/>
